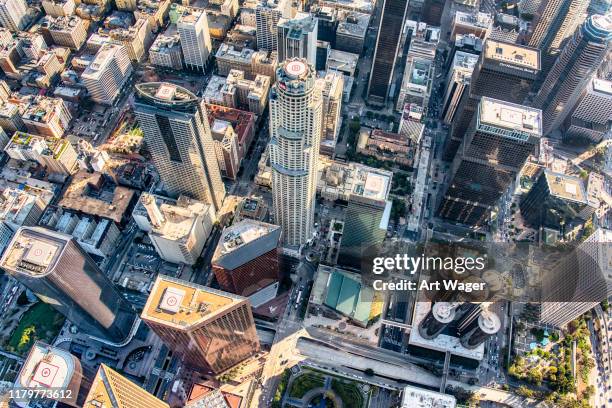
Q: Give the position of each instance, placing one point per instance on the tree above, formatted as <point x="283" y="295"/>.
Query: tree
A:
<point x="525" y="392"/>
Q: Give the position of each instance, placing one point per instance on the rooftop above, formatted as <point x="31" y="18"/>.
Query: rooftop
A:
<point x="178" y="220"/>
<point x="299" y="25"/>
<point x="510" y="116"/>
<point x="478" y="19"/>
<point x="16" y="204"/>
<point x="181" y="304"/>
<point x="103" y="58"/>
<point x="34" y="251"/>
<point x="513" y="54"/>
<point x="47" y="367"/>
<point x="95" y="194"/>
<point x="603" y="86"/>
<point x="414" y="397"/>
<point x="246" y="239"/>
<point x="565" y="186"/>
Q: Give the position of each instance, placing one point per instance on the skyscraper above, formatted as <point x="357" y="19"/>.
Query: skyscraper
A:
<point x="60" y="273"/>
<point x="580" y="282"/>
<point x="111" y="389"/>
<point x="500" y="138"/>
<point x="246" y="258"/>
<point x="177" y="133"/>
<point x="387" y="46"/>
<point x="331" y="85"/>
<point x="208" y="329"/>
<point x="578" y="60"/>
<point x="267" y="15"/>
<point x="367" y="214"/>
<point x="295" y="130"/>
<point x="556" y="21"/>
<point x="13" y="14"/>
<point x="590" y="116"/>
<point x="297" y="38"/>
<point x="52" y="367"/>
<point x="504" y="71"/>
<point x="195" y="38"/>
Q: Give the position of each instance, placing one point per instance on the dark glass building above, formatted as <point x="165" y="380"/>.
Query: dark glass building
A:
<point x="387" y="46"/>
<point x="53" y="266"/>
<point x="500" y="138"/>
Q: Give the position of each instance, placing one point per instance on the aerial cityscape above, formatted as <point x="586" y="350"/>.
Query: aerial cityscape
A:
<point x="305" y="204"/>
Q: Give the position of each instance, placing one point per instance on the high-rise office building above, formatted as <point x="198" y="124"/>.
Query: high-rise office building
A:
<point x="556" y="202"/>
<point x="13" y="14"/>
<point x="579" y="59"/>
<point x="177" y="133"/>
<point x="267" y="15"/>
<point x="59" y="272"/>
<point x="111" y="389"/>
<point x="591" y="115"/>
<point x="195" y="38"/>
<point x="51" y="367"/>
<point x="367" y="214"/>
<point x="500" y="138"/>
<point x="555" y="22"/>
<point x="504" y="71"/>
<point x="457" y="82"/>
<point x="208" y="329"/>
<point x="105" y="76"/>
<point x="295" y="130"/>
<point x="332" y="85"/>
<point x="387" y="47"/>
<point x="246" y="258"/>
<point x="580" y="281"/>
<point x="297" y="38"/>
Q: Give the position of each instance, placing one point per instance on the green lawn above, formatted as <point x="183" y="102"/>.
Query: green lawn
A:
<point x="348" y="392"/>
<point x="40" y="322"/>
<point x="304" y="383"/>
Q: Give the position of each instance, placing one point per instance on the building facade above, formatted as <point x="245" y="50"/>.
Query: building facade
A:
<point x="295" y="130"/>
<point x="572" y="70"/>
<point x="246" y="258"/>
<point x="499" y="141"/>
<point x="387" y="46"/>
<point x="60" y="273"/>
<point x="208" y="329"/>
<point x="177" y="132"/>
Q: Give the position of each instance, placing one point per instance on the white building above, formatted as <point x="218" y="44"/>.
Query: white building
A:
<point x="13" y="14"/>
<point x="56" y="155"/>
<point x="135" y="39"/>
<point x="226" y="148"/>
<point x="415" y="397"/>
<point x="58" y="8"/>
<point x="267" y="15"/>
<point x="107" y="74"/>
<point x="69" y="31"/>
<point x="46" y="116"/>
<point x="297" y="38"/>
<point x="179" y="231"/>
<point x="96" y="236"/>
<point x="195" y="38"/>
<point x="166" y="50"/>
<point x="295" y="131"/>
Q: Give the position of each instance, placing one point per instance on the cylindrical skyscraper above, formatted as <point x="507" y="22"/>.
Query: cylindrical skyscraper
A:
<point x="440" y="316"/>
<point x="60" y="273"/>
<point x="295" y="132"/>
<point x="568" y="77"/>
<point x="177" y="132"/>
<point x="480" y="329"/>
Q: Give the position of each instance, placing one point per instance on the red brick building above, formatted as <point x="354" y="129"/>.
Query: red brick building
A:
<point x="246" y="258"/>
